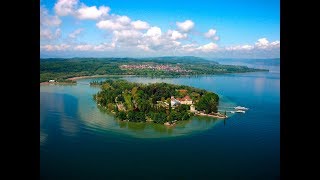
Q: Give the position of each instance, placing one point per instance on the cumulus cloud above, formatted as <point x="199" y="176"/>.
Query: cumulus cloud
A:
<point x="92" y="12"/>
<point x="189" y="47"/>
<point x="60" y="47"/>
<point x="208" y="47"/>
<point x="115" y="23"/>
<point x="83" y="12"/>
<point x="261" y="44"/>
<point x="48" y="20"/>
<point x="140" y="25"/>
<point x="154" y="32"/>
<point x="49" y="25"/>
<point x="185" y="26"/>
<point x="240" y="47"/>
<point x="211" y="33"/>
<point x="75" y="33"/>
<point x="65" y="7"/>
<point x="174" y="35"/>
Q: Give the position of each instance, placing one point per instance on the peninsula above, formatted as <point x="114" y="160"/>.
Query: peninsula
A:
<point x="158" y="102"/>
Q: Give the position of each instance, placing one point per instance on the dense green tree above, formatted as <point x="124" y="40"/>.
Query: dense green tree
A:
<point x="121" y="115"/>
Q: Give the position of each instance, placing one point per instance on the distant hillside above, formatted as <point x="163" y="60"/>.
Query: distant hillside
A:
<point x="60" y="69"/>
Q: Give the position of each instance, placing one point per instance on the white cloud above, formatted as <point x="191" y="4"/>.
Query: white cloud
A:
<point x="125" y="20"/>
<point x="144" y="47"/>
<point x="110" y="25"/>
<point x="185" y="26"/>
<point x="127" y="37"/>
<point x="49" y="25"/>
<point x="154" y="32"/>
<point x="92" y="12"/>
<point x="174" y="35"/>
<point x="211" y="33"/>
<point x="61" y="47"/>
<point x="239" y="47"/>
<point x="261" y="44"/>
<point x="208" y="47"/>
<point x="48" y="20"/>
<point x="115" y="23"/>
<point x="83" y="47"/>
<point x="75" y="33"/>
<point x="47" y="34"/>
<point x="140" y="25"/>
<point x="275" y="44"/>
<point x="65" y="7"/>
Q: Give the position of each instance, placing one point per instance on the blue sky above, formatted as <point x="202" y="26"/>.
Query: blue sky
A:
<point x="141" y="28"/>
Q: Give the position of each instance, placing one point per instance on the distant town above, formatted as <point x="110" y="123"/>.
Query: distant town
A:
<point x="159" y="67"/>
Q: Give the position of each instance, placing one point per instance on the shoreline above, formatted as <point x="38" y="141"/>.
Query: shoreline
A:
<point x="95" y="76"/>
<point x="58" y="83"/>
<point x="211" y="115"/>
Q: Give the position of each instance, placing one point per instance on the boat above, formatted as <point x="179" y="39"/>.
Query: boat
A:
<point x="240" y="108"/>
<point x="240" y="111"/>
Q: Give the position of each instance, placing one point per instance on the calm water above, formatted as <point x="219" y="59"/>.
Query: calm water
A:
<point x="78" y="140"/>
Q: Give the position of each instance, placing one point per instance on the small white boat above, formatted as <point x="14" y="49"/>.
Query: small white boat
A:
<point x="240" y="111"/>
<point x="240" y="108"/>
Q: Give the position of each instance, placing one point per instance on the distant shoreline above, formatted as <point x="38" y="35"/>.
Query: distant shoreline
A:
<point x="120" y="75"/>
<point x="94" y="76"/>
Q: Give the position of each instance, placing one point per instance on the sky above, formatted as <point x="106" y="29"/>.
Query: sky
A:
<point x="144" y="28"/>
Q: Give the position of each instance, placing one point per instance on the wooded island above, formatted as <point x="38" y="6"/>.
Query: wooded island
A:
<point x="159" y="102"/>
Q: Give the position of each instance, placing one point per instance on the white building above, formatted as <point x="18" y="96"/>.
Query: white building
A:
<point x="192" y="108"/>
<point x="51" y="81"/>
<point x="174" y="102"/>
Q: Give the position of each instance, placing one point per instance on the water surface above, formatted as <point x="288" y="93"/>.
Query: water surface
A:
<point x="77" y="139"/>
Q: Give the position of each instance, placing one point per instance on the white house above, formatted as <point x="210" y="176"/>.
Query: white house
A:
<point x="51" y="81"/>
<point x="174" y="102"/>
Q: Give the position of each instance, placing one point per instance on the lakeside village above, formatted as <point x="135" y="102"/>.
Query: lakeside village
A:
<point x="155" y="67"/>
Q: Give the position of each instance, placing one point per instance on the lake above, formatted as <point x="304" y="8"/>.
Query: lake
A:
<point x="80" y="141"/>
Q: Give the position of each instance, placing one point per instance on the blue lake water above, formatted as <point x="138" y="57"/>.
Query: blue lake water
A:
<point x="77" y="140"/>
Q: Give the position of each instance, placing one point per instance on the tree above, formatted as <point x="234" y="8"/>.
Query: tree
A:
<point x="208" y="102"/>
<point x="121" y="115"/>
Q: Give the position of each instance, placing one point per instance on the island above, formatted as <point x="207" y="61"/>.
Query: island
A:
<point x="69" y="69"/>
<point x="158" y="102"/>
